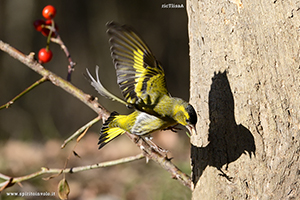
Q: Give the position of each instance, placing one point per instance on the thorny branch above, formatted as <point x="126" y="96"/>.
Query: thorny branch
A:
<point x="90" y="101"/>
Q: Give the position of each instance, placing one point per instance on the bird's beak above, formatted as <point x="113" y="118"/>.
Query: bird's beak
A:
<point x="192" y="129"/>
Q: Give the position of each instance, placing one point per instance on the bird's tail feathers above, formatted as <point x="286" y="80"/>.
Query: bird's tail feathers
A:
<point x="109" y="133"/>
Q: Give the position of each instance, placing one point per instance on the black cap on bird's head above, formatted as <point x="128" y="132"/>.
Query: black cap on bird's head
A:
<point x="192" y="115"/>
<point x="191" y="120"/>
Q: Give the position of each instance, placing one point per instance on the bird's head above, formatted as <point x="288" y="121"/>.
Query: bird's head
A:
<point x="186" y="115"/>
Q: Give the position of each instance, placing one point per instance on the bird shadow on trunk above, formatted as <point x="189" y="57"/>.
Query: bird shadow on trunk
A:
<point x="227" y="140"/>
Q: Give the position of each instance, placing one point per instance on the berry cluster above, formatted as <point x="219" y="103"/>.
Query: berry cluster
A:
<point x="49" y="29"/>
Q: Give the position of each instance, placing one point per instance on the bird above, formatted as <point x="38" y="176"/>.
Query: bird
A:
<point x="141" y="79"/>
<point x="138" y="122"/>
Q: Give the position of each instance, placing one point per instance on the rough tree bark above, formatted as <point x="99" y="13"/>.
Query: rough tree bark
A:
<point x="245" y="85"/>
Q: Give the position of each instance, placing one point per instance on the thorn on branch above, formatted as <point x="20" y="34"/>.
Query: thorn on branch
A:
<point x="31" y="56"/>
<point x="169" y="159"/>
<point x="92" y="98"/>
<point x="71" y="170"/>
<point x="8" y="183"/>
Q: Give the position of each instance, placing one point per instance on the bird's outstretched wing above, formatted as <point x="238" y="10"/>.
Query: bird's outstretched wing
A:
<point x="140" y="76"/>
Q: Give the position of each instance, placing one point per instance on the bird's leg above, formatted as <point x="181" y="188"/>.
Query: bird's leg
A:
<point x="154" y="146"/>
<point x="136" y="140"/>
<point x="160" y="150"/>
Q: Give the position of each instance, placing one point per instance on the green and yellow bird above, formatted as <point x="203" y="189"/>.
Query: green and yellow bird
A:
<point x="142" y="82"/>
<point x="138" y="122"/>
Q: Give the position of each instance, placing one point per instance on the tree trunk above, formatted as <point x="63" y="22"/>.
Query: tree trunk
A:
<point x="245" y="86"/>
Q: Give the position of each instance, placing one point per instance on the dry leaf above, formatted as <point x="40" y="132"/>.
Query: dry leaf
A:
<point x="63" y="189"/>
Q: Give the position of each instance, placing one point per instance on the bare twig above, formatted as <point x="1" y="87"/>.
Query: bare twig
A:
<point x="94" y="105"/>
<point x="38" y="82"/>
<point x="9" y="181"/>
<point x="79" y="131"/>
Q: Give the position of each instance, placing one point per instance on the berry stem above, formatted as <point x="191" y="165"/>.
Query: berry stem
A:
<point x="72" y="64"/>
<point x="50" y="33"/>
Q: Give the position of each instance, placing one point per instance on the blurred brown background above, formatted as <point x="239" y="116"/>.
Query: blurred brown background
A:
<point x="39" y="121"/>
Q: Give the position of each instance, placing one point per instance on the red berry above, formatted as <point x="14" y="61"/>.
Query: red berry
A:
<point x="49" y="12"/>
<point x="38" y="24"/>
<point x="46" y="31"/>
<point x="45" y="55"/>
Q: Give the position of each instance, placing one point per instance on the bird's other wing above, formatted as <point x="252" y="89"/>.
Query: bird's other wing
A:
<point x="100" y="88"/>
